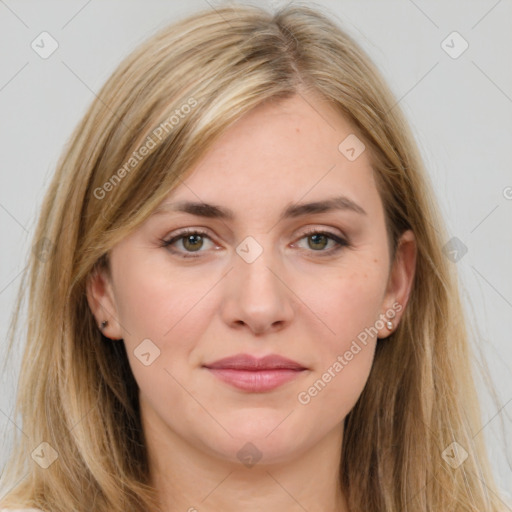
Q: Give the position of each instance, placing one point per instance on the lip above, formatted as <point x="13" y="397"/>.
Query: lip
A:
<point x="249" y="373"/>
<point x="248" y="362"/>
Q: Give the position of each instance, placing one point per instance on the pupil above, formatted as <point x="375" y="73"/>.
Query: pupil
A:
<point x="316" y="236"/>
<point x="189" y="238"/>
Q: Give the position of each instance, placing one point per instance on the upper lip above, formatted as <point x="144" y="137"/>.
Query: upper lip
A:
<point x="251" y="363"/>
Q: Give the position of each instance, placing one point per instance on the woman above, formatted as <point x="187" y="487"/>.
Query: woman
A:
<point x="238" y="295"/>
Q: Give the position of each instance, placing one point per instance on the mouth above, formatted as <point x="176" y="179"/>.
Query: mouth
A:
<point x="255" y="375"/>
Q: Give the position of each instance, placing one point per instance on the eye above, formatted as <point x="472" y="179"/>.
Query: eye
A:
<point x="192" y="241"/>
<point x="319" y="239"/>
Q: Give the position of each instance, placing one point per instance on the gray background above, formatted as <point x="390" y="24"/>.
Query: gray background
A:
<point x="460" y="110"/>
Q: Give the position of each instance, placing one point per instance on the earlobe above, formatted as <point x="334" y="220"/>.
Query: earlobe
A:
<point x="102" y="303"/>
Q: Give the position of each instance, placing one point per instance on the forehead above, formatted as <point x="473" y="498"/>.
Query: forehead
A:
<point x="281" y="153"/>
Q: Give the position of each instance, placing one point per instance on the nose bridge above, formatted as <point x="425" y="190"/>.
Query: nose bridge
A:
<point x="256" y="258"/>
<point x="258" y="297"/>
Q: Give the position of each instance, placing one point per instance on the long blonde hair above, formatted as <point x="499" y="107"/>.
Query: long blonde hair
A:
<point x="175" y="95"/>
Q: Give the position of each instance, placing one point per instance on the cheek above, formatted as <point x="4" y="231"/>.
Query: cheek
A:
<point x="337" y="387"/>
<point x="155" y="303"/>
<point x="349" y="307"/>
<point x="346" y="303"/>
<point x="162" y="315"/>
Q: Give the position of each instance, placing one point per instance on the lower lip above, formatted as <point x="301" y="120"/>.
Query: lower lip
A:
<point x="256" y="381"/>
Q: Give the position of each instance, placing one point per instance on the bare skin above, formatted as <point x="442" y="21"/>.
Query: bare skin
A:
<point x="300" y="298"/>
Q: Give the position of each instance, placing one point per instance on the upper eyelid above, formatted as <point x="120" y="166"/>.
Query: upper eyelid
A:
<point x="206" y="232"/>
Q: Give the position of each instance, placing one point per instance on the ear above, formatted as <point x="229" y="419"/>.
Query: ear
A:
<point x="102" y="303"/>
<point x="400" y="282"/>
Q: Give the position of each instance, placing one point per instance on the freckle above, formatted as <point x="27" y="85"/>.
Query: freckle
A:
<point x="375" y="261"/>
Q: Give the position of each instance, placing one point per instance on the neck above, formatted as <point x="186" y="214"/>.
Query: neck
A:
<point x="190" y="479"/>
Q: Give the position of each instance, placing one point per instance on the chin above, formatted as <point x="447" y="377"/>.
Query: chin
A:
<point x="261" y="441"/>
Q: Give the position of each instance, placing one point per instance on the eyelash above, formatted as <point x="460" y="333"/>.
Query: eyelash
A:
<point x="340" y="242"/>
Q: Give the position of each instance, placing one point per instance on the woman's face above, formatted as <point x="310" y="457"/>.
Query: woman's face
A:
<point x="269" y="276"/>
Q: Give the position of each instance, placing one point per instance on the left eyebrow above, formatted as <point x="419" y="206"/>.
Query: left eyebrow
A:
<point x="292" y="211"/>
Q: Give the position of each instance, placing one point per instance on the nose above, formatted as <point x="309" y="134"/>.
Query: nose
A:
<point x="258" y="297"/>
